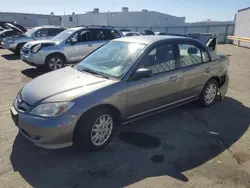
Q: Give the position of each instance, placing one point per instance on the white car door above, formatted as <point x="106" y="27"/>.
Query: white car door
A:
<point x="78" y="46"/>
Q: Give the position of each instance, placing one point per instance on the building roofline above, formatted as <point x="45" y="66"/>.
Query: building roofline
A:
<point x="123" y="12"/>
<point x="244" y="9"/>
<point x="28" y="13"/>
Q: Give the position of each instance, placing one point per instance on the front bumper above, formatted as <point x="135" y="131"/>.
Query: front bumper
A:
<point x="33" y="59"/>
<point x="8" y="46"/>
<point x="48" y="133"/>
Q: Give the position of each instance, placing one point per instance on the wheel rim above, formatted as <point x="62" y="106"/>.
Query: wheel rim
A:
<point x="55" y="63"/>
<point x="210" y="93"/>
<point x="102" y="130"/>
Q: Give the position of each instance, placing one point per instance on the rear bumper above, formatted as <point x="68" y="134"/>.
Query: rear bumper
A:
<point x="8" y="46"/>
<point x="224" y="88"/>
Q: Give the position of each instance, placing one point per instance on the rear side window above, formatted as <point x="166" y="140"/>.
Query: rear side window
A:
<point x="205" y="56"/>
<point x="189" y="54"/>
<point x="42" y="33"/>
<point x="100" y="34"/>
<point x="115" y="34"/>
<point x="54" y="31"/>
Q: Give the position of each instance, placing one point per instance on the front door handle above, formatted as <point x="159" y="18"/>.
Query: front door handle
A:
<point x="173" y="79"/>
<point x="207" y="70"/>
<point x="89" y="45"/>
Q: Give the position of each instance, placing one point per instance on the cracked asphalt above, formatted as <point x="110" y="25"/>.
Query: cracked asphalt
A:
<point x="187" y="146"/>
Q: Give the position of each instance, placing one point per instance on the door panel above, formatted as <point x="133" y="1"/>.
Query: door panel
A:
<point x="76" y="52"/>
<point x="153" y="92"/>
<point x="196" y="67"/>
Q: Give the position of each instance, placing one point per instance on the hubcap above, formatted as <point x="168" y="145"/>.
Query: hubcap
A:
<point x="101" y="130"/>
<point x="210" y="93"/>
<point x="55" y="63"/>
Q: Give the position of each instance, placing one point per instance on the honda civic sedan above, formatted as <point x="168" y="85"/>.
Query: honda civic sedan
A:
<point x="122" y="81"/>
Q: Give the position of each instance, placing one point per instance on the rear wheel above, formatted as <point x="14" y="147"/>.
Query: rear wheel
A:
<point x="209" y="93"/>
<point x="55" y="61"/>
<point x="94" y="130"/>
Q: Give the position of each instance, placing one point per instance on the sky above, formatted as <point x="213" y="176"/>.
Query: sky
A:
<point x="193" y="10"/>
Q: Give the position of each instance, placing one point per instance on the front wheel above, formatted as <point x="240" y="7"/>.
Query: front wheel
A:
<point x="209" y="93"/>
<point x="54" y="62"/>
<point x="18" y="49"/>
<point x="94" y="130"/>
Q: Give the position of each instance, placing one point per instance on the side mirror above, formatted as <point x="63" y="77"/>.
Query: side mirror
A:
<point x="141" y="73"/>
<point x="72" y="41"/>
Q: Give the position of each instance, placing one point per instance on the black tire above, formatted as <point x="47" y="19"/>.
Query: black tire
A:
<point x="56" y="56"/>
<point x="18" y="49"/>
<point x="83" y="130"/>
<point x="202" y="98"/>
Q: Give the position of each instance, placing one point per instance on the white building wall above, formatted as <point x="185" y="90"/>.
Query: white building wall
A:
<point x="242" y="25"/>
<point x="124" y="19"/>
<point x="30" y="20"/>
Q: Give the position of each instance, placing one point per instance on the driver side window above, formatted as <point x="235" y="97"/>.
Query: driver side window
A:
<point x="85" y="36"/>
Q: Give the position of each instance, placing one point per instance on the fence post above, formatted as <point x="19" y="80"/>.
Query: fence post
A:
<point x="166" y="29"/>
<point x="207" y="28"/>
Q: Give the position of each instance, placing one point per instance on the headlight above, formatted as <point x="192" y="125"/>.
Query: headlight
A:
<point x="36" y="48"/>
<point x="52" y="109"/>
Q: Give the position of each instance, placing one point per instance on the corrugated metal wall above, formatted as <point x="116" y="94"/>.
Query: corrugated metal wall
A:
<point x="120" y="19"/>
<point x="30" y="20"/>
<point x="242" y="25"/>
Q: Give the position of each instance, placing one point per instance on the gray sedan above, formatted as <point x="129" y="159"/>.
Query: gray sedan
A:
<point x="122" y="81"/>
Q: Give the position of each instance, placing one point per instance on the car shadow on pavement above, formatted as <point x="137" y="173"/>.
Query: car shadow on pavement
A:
<point x="33" y="72"/>
<point x="166" y="144"/>
<point x="11" y="57"/>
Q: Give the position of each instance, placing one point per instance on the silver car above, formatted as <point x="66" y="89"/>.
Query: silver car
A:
<point x="131" y="33"/>
<point x="15" y="43"/>
<point x="69" y="47"/>
<point x="122" y="81"/>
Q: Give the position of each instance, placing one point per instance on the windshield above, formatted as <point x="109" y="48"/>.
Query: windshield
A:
<point x="113" y="59"/>
<point x="63" y="35"/>
<point x="30" y="32"/>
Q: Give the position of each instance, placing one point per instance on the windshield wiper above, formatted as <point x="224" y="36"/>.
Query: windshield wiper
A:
<point x="95" y="73"/>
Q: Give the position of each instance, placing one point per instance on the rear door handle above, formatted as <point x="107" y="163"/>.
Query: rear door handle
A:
<point x="207" y="70"/>
<point x="89" y="45"/>
<point x="173" y="79"/>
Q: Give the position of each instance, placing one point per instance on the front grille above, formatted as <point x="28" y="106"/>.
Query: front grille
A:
<point x="25" y="50"/>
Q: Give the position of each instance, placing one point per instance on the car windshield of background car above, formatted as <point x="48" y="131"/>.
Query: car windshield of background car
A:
<point x="113" y="59"/>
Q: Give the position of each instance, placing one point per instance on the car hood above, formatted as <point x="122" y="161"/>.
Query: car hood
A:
<point x="35" y="42"/>
<point x="61" y="81"/>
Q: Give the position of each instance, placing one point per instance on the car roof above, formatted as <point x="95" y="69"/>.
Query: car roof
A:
<point x="49" y="26"/>
<point x="147" y="39"/>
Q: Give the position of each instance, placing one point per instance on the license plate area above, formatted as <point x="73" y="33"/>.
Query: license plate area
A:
<point x="14" y="115"/>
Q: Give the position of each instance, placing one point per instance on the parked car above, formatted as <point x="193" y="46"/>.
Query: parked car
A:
<point x="12" y="31"/>
<point x="15" y="44"/>
<point x="131" y="33"/>
<point x="70" y="46"/>
<point x="124" y="80"/>
<point x="149" y="32"/>
<point x="160" y="33"/>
